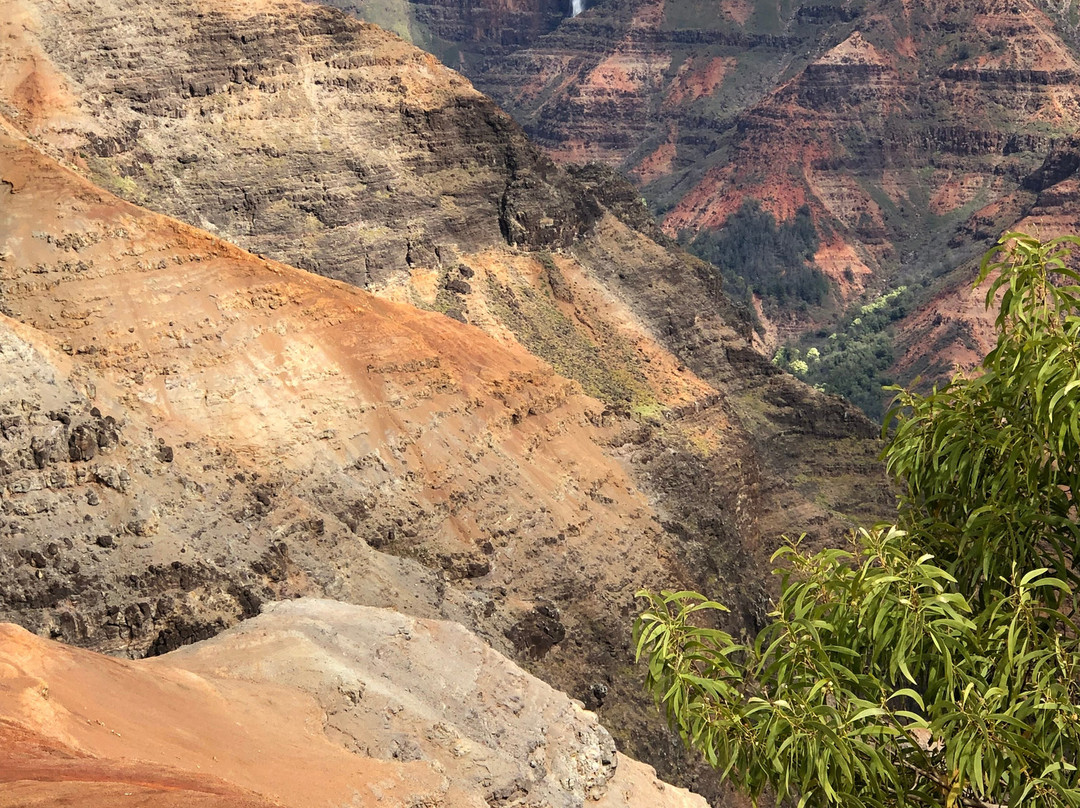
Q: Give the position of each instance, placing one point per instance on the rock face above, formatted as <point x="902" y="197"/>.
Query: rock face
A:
<point x="906" y="127"/>
<point x="953" y="331"/>
<point x="598" y="423"/>
<point x="312" y="703"/>
<point x="262" y="432"/>
<point x="648" y="86"/>
<point x="888" y="120"/>
<point x="910" y="129"/>
<point x="297" y="132"/>
<point x="257" y="416"/>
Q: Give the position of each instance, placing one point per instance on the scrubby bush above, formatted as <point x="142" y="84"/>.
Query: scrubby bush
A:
<point x="854" y="361"/>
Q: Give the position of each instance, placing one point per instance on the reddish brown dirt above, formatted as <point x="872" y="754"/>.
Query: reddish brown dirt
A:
<point x="950" y="335"/>
<point x="101" y="729"/>
<point x="306" y="706"/>
<point x="695" y="81"/>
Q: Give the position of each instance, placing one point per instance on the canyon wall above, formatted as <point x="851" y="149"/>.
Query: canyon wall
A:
<point x="499" y="401"/>
<point x="907" y="129"/>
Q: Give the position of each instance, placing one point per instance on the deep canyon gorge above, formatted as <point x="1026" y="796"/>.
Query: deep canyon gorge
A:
<point x="342" y="412"/>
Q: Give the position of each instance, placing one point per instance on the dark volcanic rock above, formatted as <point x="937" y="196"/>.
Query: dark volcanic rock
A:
<point x="616" y="193"/>
<point x="1062" y="162"/>
<point x="538" y="632"/>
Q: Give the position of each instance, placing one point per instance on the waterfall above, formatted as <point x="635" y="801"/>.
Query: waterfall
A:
<point x="577" y="6"/>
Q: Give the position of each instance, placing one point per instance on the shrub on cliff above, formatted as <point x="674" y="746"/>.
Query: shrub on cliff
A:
<point x="937" y="661"/>
<point x="855" y="359"/>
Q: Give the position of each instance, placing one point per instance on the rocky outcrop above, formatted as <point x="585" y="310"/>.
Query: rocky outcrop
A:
<point x="311" y="703"/>
<point x="1060" y="164"/>
<point x="401" y="165"/>
<point x="618" y="195"/>
<point x="384" y="683"/>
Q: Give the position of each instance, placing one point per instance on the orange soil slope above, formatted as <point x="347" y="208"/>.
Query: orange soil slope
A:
<point x="315" y="703"/>
<point x="311" y="381"/>
<point x="100" y="730"/>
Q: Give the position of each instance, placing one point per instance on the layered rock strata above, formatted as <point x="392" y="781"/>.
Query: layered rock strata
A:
<point x="606" y="424"/>
<point x="292" y="130"/>
<point x="897" y="123"/>
<point x="894" y="145"/>
<point x="190" y="430"/>
<point x="954" y="330"/>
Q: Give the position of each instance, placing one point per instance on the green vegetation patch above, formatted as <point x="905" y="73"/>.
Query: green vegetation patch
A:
<point x="393" y="15"/>
<point x="606" y="370"/>
<point x="105" y="173"/>
<point x="756" y="255"/>
<point x="853" y="360"/>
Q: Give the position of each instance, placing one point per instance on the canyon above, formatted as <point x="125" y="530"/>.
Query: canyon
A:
<point x="291" y="310"/>
<point x="909" y="130"/>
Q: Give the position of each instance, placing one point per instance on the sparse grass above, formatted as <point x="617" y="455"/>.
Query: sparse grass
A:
<point x="104" y="173"/>
<point x="393" y="15"/>
<point x="604" y="366"/>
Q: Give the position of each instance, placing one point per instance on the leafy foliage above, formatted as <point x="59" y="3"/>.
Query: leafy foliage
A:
<point x="755" y="255"/>
<point x="937" y="661"/>
<point x="854" y="360"/>
<point x="991" y="465"/>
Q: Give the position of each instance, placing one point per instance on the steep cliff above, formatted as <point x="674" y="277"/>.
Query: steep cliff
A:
<point x="184" y="417"/>
<point x="907" y="129"/>
<point x="293" y="131"/>
<point x="190" y="431"/>
<point x="894" y="121"/>
<point x="919" y="117"/>
<point x="953" y="330"/>
<point x="468" y="181"/>
<point x="225" y="429"/>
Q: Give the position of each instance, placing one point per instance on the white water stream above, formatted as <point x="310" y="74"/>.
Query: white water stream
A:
<point x="576" y="6"/>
